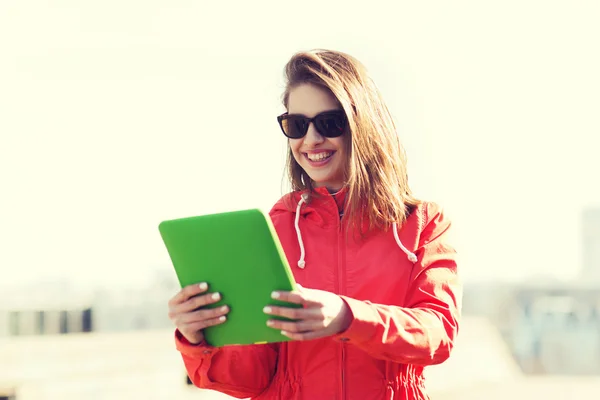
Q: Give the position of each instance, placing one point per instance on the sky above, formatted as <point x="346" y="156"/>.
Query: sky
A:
<point x="117" y="115"/>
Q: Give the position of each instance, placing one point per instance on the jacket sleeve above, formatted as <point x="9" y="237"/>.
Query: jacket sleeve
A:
<point x="238" y="371"/>
<point x="422" y="332"/>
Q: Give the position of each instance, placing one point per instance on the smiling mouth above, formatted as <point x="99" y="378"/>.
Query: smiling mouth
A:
<point x="317" y="157"/>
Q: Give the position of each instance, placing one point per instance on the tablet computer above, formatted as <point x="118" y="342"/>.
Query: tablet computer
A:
<point x="239" y="255"/>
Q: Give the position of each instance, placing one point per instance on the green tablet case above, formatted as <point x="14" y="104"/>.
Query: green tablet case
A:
<point x="239" y="255"/>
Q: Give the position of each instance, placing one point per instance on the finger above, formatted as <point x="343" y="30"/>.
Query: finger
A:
<point x="195" y="303"/>
<point x="198" y="326"/>
<point x="202" y="315"/>
<point x="294" y="313"/>
<point x="295" y="297"/>
<point x="188" y="292"/>
<point x="297" y="327"/>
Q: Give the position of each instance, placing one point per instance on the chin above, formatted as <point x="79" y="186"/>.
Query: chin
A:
<point x="325" y="183"/>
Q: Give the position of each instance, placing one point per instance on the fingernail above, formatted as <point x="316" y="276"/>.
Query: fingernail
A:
<point x="223" y="309"/>
<point x="215" y="296"/>
<point x="284" y="333"/>
<point x="275" y="295"/>
<point x="267" y="310"/>
<point x="222" y="318"/>
<point x="270" y="323"/>
<point x="203" y="286"/>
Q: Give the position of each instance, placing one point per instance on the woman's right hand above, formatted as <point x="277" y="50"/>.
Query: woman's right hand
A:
<point x="186" y="310"/>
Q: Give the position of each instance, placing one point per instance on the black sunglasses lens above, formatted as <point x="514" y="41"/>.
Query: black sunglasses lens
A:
<point x="331" y="125"/>
<point x="294" y="126"/>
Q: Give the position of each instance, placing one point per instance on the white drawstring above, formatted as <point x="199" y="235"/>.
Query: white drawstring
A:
<point x="411" y="256"/>
<point x="301" y="263"/>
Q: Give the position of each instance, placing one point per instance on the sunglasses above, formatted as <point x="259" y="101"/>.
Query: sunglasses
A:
<point x="329" y="124"/>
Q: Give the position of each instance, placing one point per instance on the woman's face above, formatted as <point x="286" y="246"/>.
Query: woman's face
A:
<point x="323" y="159"/>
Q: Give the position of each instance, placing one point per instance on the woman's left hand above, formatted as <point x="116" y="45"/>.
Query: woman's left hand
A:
<point x="323" y="314"/>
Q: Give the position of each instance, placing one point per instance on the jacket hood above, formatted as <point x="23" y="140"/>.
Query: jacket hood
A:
<point x="321" y="208"/>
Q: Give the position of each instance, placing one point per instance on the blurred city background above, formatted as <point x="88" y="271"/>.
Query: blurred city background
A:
<point x="117" y="115"/>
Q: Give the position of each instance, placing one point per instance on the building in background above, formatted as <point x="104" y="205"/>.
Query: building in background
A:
<point x="57" y="308"/>
<point x="550" y="327"/>
<point x="556" y="329"/>
<point x="46" y="320"/>
<point x="45" y="308"/>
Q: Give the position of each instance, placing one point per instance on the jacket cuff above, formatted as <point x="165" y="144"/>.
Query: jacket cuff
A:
<point x="363" y="323"/>
<point x="202" y="349"/>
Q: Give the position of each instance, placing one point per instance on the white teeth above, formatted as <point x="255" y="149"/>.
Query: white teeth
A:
<point x="319" y="156"/>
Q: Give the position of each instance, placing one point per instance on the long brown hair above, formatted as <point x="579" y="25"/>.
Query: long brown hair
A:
<point x="376" y="175"/>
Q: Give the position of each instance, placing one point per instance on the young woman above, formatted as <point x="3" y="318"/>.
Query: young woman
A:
<point x="379" y="285"/>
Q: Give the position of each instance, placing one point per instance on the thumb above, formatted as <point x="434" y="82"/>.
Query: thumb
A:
<point x="300" y="288"/>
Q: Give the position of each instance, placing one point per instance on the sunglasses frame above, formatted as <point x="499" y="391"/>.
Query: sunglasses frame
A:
<point x="285" y="116"/>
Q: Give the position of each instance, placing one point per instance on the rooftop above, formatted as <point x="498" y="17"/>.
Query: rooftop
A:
<point x="145" y="364"/>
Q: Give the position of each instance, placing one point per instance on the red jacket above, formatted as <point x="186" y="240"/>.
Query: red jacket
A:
<point x="404" y="314"/>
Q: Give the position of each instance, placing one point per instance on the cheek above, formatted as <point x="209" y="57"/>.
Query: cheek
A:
<point x="343" y="159"/>
<point x="295" y="147"/>
<point x="340" y="146"/>
<point x="337" y="144"/>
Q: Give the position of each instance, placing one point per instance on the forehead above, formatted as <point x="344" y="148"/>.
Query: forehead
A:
<point x="311" y="100"/>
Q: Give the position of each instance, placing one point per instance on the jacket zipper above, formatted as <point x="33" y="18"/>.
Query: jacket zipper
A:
<point x="343" y="369"/>
<point x="341" y="291"/>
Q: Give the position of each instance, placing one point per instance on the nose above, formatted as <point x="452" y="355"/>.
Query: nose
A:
<point x="313" y="137"/>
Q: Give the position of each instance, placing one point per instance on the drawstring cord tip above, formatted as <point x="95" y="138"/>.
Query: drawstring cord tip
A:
<point x="410" y="255"/>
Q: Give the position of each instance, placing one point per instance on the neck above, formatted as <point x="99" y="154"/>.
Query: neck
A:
<point x="333" y="190"/>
